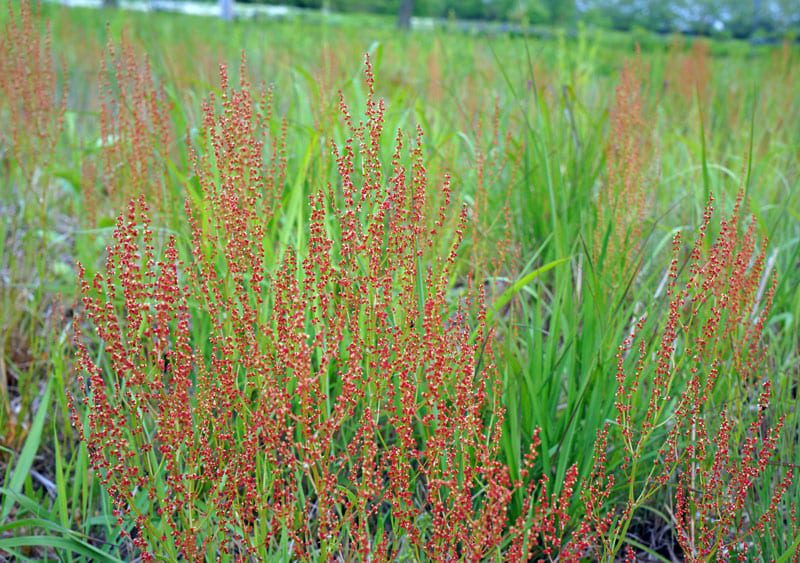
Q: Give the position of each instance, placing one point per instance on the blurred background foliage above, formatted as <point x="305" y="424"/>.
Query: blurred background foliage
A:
<point x="732" y="18"/>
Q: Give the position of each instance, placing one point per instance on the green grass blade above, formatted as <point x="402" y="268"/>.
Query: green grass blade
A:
<point x="789" y="553"/>
<point x="518" y="285"/>
<point x="28" y="453"/>
<point x="66" y="544"/>
<point x="703" y="151"/>
<point x="61" y="483"/>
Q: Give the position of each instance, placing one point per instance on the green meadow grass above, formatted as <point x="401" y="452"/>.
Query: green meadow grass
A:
<point x="534" y="112"/>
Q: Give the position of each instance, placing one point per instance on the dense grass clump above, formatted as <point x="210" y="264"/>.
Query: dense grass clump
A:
<point x="483" y="298"/>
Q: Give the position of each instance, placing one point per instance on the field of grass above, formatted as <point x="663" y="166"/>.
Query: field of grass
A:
<point x="326" y="291"/>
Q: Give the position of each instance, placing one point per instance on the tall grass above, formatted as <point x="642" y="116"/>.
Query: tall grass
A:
<point x="571" y="163"/>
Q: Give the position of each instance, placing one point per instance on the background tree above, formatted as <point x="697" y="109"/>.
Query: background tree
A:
<point x="226" y="9"/>
<point x="741" y="19"/>
<point x="404" y="14"/>
<point x="560" y="12"/>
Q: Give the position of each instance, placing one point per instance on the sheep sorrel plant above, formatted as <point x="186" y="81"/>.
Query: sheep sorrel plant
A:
<point x="622" y="204"/>
<point x="135" y="128"/>
<point x="329" y="406"/>
<point x="687" y="387"/>
<point x="30" y="101"/>
<point x="32" y="106"/>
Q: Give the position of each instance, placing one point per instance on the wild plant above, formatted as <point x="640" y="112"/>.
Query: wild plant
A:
<point x="32" y="105"/>
<point x="319" y="406"/>
<point x="686" y="386"/>
<point x="135" y="130"/>
<point x="689" y="73"/>
<point x="32" y="102"/>
<point x="623" y="202"/>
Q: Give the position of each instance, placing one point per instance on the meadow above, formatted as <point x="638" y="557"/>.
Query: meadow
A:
<point x="317" y="289"/>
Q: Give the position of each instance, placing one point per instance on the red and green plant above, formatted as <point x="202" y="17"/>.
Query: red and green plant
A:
<point x="673" y="425"/>
<point x="326" y="405"/>
<point x="301" y="364"/>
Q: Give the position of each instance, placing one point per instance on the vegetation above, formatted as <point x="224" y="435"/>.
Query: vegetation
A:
<point x="733" y="18"/>
<point x="296" y="290"/>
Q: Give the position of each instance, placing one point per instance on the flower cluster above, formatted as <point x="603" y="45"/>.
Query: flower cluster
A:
<point x="689" y="74"/>
<point x="30" y="98"/>
<point x="135" y="128"/>
<point x="622" y="203"/>
<point x="326" y="405"/>
<point x="668" y="388"/>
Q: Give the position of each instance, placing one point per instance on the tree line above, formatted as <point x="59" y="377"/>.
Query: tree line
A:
<point x="732" y="18"/>
<point x="736" y="18"/>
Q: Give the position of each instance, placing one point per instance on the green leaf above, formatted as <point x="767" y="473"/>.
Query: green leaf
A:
<point x="789" y="553"/>
<point x="61" y="484"/>
<point x="518" y="285"/>
<point x="703" y="152"/>
<point x="28" y="453"/>
<point x="68" y="544"/>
